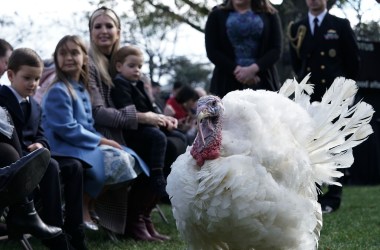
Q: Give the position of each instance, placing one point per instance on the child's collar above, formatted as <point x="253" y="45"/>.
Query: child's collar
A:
<point x="18" y="96"/>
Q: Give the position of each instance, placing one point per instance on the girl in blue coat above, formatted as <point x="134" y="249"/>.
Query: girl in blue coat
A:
<point x="67" y="120"/>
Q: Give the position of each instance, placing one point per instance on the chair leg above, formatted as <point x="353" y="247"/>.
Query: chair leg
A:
<point x="24" y="240"/>
<point x="112" y="236"/>
<point x="162" y="215"/>
<point x="25" y="243"/>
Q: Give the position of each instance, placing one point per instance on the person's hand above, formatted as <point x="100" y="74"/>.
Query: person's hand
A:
<point x="150" y="118"/>
<point x="186" y="123"/>
<point x="112" y="143"/>
<point x="253" y="81"/>
<point x="157" y="120"/>
<point x="34" y="146"/>
<point x="247" y="75"/>
<point x="171" y="122"/>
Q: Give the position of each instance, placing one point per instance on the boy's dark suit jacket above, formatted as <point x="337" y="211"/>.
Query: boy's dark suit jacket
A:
<point x="29" y="131"/>
<point x="125" y="93"/>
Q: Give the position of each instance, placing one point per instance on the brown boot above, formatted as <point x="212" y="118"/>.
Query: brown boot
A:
<point x="138" y="231"/>
<point x="152" y="231"/>
<point x="149" y="206"/>
<point x="139" y="197"/>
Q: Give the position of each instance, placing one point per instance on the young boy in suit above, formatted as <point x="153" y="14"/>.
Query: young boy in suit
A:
<point x="24" y="73"/>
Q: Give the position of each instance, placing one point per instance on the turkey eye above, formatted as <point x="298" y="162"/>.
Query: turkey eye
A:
<point x="213" y="103"/>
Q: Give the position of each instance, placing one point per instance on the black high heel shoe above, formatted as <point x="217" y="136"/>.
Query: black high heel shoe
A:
<point x="23" y="219"/>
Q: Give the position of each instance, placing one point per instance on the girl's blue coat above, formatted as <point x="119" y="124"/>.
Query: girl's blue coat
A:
<point x="69" y="127"/>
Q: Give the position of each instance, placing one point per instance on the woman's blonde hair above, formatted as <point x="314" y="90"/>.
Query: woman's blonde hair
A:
<point x="60" y="76"/>
<point x="256" y="5"/>
<point x="102" y="61"/>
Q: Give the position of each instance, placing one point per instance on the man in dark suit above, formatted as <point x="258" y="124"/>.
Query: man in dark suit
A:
<point x="24" y="72"/>
<point x="325" y="46"/>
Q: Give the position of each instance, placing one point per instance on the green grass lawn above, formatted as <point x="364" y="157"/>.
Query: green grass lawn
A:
<point x="355" y="226"/>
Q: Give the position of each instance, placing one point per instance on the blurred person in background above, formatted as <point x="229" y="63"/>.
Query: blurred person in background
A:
<point x="244" y="41"/>
<point x="325" y="46"/>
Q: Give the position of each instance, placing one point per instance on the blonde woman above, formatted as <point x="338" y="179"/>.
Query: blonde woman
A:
<point x="105" y="31"/>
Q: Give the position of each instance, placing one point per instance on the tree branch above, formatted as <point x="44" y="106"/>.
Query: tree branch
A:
<point x="175" y="16"/>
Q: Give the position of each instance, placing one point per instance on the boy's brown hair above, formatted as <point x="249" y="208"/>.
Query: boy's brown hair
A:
<point x="122" y="53"/>
<point x="24" y="57"/>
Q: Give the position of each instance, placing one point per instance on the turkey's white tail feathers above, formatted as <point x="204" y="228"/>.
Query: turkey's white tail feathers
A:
<point x="334" y="108"/>
<point x="305" y="87"/>
<point x="341" y="91"/>
<point x="318" y="227"/>
<point x="351" y="127"/>
<point x="338" y="126"/>
<point x="288" y="88"/>
<point x="342" y="159"/>
<point x="299" y="90"/>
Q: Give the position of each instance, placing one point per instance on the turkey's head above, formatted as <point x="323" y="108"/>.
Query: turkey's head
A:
<point x="207" y="143"/>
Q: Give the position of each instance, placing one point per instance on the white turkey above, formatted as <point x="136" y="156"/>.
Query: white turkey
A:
<point x="249" y="179"/>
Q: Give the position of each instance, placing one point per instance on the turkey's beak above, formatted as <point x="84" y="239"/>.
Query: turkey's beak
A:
<point x="201" y="115"/>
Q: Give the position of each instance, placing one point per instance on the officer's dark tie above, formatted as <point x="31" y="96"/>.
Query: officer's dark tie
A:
<point x="316" y="26"/>
<point x="25" y="109"/>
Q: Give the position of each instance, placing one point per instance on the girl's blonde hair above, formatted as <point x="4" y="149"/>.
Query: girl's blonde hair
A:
<point x="60" y="76"/>
<point x="101" y="61"/>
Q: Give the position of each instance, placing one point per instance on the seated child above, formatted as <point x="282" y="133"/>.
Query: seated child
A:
<point x="69" y="125"/>
<point x="150" y="138"/>
<point x="24" y="73"/>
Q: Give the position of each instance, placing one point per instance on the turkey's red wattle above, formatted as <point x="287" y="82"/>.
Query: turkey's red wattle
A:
<point x="210" y="151"/>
